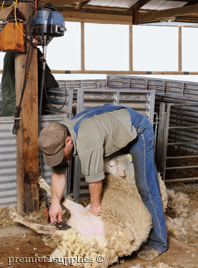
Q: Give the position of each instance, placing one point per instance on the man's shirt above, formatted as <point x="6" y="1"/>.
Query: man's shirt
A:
<point x="98" y="136"/>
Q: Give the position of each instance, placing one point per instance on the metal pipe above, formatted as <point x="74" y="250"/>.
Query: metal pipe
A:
<point x="181" y="167"/>
<point x="182" y="179"/>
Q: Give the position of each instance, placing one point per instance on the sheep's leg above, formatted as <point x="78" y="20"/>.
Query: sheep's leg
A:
<point x="82" y="220"/>
<point x="43" y="184"/>
<point x="72" y="206"/>
<point x="38" y="228"/>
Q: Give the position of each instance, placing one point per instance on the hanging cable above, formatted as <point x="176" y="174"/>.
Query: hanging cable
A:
<point x="2" y="6"/>
<point x="54" y="108"/>
<point x="15" y="16"/>
<point x="18" y="108"/>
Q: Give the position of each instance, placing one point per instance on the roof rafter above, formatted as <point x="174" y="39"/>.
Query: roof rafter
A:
<point x="191" y="2"/>
<point x="58" y="3"/>
<point x="154" y="15"/>
<point x="137" y="5"/>
<point x="82" y="4"/>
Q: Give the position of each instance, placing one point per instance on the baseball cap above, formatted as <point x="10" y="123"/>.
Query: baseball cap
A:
<point x="51" y="142"/>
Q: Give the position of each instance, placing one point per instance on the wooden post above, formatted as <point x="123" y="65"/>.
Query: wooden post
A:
<point x="130" y="48"/>
<point x="180" y="49"/>
<point x="82" y="46"/>
<point x="27" y="149"/>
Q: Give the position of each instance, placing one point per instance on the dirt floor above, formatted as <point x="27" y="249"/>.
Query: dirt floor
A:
<point x="21" y="247"/>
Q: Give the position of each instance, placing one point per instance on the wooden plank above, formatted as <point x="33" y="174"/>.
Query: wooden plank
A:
<point x="11" y="39"/>
<point x="179" y="49"/>
<point x="137" y="5"/>
<point x="27" y="149"/>
<point x="58" y="3"/>
<point x="130" y="48"/>
<point x="156" y="15"/>
<point x="123" y="72"/>
<point x="96" y="18"/>
<point x="82" y="46"/>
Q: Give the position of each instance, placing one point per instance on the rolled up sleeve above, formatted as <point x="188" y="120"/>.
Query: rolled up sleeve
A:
<point x="92" y="166"/>
<point x="95" y="178"/>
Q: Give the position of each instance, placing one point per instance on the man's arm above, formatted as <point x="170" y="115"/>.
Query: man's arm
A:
<point x="58" y="182"/>
<point x="95" y="190"/>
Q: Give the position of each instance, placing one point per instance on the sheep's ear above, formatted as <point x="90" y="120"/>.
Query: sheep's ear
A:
<point x="130" y="157"/>
<point x="121" y="172"/>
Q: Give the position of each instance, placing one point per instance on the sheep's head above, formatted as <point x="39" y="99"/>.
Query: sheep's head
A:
<point x="119" y="166"/>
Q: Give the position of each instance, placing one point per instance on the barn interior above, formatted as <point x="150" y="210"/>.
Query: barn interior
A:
<point x="171" y="105"/>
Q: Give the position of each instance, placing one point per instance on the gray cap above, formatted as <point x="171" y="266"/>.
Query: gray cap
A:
<point x="51" y="142"/>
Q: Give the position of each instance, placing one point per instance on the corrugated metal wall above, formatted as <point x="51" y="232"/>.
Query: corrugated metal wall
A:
<point x="8" y="158"/>
<point x="7" y="162"/>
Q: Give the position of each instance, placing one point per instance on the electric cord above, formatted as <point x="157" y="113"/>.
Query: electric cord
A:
<point x="50" y="103"/>
<point x="39" y="116"/>
<point x="18" y="108"/>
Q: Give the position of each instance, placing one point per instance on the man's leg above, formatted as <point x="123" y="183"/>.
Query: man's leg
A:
<point x="147" y="183"/>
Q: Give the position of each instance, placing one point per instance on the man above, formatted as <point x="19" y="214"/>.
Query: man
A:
<point x="97" y="133"/>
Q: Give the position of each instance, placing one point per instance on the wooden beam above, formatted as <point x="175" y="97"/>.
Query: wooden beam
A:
<point x="156" y="15"/>
<point x="82" y="4"/>
<point x="192" y="2"/>
<point x="123" y="72"/>
<point x="58" y="3"/>
<point x="130" y="48"/>
<point x="82" y="46"/>
<point x="137" y="5"/>
<point x="27" y="149"/>
<point x="180" y="49"/>
<point x="96" y="18"/>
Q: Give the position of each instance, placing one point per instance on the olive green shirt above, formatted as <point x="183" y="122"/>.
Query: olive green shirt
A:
<point x="98" y="136"/>
<point x="8" y="83"/>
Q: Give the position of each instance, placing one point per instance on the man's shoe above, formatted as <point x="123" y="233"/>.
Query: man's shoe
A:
<point x="148" y="253"/>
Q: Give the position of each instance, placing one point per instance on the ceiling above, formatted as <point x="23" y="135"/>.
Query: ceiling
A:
<point x="133" y="11"/>
<point x="125" y="11"/>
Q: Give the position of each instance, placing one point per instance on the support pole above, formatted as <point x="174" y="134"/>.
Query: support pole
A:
<point x="180" y="49"/>
<point x="130" y="48"/>
<point x="27" y="149"/>
<point x="82" y="46"/>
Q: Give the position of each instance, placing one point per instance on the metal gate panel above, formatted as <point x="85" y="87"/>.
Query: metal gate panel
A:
<point x="141" y="101"/>
<point x="179" y="134"/>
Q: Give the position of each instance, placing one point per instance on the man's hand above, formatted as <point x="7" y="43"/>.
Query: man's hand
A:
<point x="57" y="188"/>
<point x="95" y="209"/>
<point x="55" y="211"/>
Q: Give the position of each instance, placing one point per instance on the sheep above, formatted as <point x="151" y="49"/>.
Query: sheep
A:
<point x="119" y="166"/>
<point x="123" y="226"/>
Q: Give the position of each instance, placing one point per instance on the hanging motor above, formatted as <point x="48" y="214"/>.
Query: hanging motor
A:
<point x="47" y="24"/>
